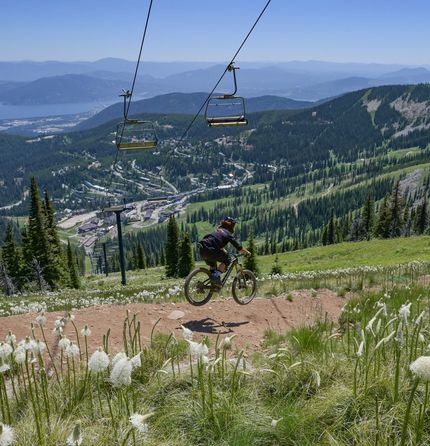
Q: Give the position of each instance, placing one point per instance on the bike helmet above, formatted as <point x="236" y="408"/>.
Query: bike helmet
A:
<point x="228" y="223"/>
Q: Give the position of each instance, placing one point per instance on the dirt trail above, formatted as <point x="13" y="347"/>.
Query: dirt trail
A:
<point x="223" y="317"/>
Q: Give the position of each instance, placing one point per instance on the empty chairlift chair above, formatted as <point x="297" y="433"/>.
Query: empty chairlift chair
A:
<point x="134" y="134"/>
<point x="226" y="110"/>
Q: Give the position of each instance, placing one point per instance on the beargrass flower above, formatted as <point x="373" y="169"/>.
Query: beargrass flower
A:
<point x="187" y="333"/>
<point x="6" y="435"/>
<point x="5" y="350"/>
<point x="274" y="423"/>
<point x="99" y="361"/>
<point x="360" y="349"/>
<point x="86" y="331"/>
<point x="138" y="422"/>
<point x="226" y="342"/>
<point x="199" y="351"/>
<point x="117" y="357"/>
<point x="72" y="351"/>
<point x="19" y="355"/>
<point x="405" y="311"/>
<point x="75" y="438"/>
<point x="136" y="361"/>
<point x="41" y="319"/>
<point x="38" y="347"/>
<point x="4" y="367"/>
<point x="63" y="343"/>
<point x="10" y="338"/>
<point x="121" y="373"/>
<point x="421" y="368"/>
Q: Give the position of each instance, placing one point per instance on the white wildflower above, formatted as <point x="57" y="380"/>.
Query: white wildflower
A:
<point x="187" y="333"/>
<point x="63" y="343"/>
<point x="38" y="347"/>
<point x="71" y="317"/>
<point x="420" y="317"/>
<point x="57" y="331"/>
<point x="10" y="338"/>
<point x="121" y="373"/>
<point x="19" y="355"/>
<point x="86" y="331"/>
<point x="199" y="351"/>
<point x="136" y="361"/>
<point x="4" y="367"/>
<point x="138" y="421"/>
<point x="72" y="351"/>
<point x="405" y="311"/>
<point x="6" y="435"/>
<point x="360" y="349"/>
<point x="58" y="323"/>
<point x="5" y="350"/>
<point x="226" y="342"/>
<point x="99" y="361"/>
<point x="421" y="338"/>
<point x="75" y="438"/>
<point x="316" y="377"/>
<point x="41" y="319"/>
<point x="117" y="357"/>
<point x="274" y="422"/>
<point x="421" y="368"/>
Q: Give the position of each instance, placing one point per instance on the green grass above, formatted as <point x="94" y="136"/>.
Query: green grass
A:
<point x="351" y="254"/>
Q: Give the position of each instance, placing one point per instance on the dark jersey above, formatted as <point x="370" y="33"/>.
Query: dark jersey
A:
<point x="219" y="239"/>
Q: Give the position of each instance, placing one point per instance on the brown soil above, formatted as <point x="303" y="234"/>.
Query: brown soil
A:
<point x="223" y="317"/>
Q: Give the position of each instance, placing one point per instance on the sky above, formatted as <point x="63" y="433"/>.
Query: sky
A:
<point x="382" y="31"/>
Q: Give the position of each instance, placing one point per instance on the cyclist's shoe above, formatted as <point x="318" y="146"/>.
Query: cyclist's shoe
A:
<point x="216" y="280"/>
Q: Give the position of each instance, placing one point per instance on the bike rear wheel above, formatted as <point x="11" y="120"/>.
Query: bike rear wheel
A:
<point x="244" y="287"/>
<point x="198" y="287"/>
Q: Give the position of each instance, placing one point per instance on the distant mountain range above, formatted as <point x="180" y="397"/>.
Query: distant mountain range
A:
<point x="186" y="103"/>
<point x="34" y="83"/>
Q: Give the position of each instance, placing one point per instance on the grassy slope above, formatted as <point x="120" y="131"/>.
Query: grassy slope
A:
<point x="347" y="255"/>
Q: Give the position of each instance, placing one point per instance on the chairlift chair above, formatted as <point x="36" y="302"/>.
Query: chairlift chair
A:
<point x="226" y="110"/>
<point x="135" y="134"/>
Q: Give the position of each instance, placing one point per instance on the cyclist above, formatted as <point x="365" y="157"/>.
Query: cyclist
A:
<point x="212" y="249"/>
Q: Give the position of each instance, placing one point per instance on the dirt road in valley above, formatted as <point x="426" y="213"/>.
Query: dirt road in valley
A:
<point x="223" y="317"/>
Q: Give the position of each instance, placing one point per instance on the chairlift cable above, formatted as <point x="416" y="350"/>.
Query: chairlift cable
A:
<point x="181" y="139"/>
<point x="126" y="111"/>
<point x="224" y="72"/>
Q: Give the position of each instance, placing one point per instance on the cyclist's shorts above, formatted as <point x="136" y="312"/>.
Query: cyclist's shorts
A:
<point x="212" y="255"/>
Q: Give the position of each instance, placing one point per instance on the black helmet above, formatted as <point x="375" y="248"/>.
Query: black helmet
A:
<point x="228" y="223"/>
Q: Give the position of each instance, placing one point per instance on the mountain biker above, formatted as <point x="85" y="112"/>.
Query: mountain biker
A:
<point x="212" y="249"/>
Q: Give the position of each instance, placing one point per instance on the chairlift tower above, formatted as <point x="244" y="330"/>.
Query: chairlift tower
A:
<point x="118" y="210"/>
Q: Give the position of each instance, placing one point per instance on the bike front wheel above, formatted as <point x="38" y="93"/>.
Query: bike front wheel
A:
<point x="244" y="287"/>
<point x="198" y="287"/>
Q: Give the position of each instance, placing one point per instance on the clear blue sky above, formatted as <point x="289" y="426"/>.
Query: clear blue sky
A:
<point x="385" y="31"/>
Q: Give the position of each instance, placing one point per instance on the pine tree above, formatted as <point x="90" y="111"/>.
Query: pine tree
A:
<point x="276" y="267"/>
<point x="140" y="256"/>
<point x="172" y="254"/>
<point x="74" y="280"/>
<point x="368" y="217"/>
<point x="186" y="261"/>
<point x="331" y="229"/>
<point x="421" y="218"/>
<point x="12" y="257"/>
<point x="396" y="212"/>
<point x="382" y="228"/>
<point x="251" y="260"/>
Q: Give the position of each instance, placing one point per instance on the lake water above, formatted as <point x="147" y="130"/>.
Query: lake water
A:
<point x="33" y="111"/>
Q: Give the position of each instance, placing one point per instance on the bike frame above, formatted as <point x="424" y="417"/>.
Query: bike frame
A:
<point x="233" y="264"/>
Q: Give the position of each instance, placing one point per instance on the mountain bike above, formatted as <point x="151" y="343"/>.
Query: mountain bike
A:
<point x="199" y="288"/>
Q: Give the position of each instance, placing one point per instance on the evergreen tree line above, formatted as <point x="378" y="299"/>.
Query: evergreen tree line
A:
<point x="39" y="261"/>
<point x="398" y="214"/>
